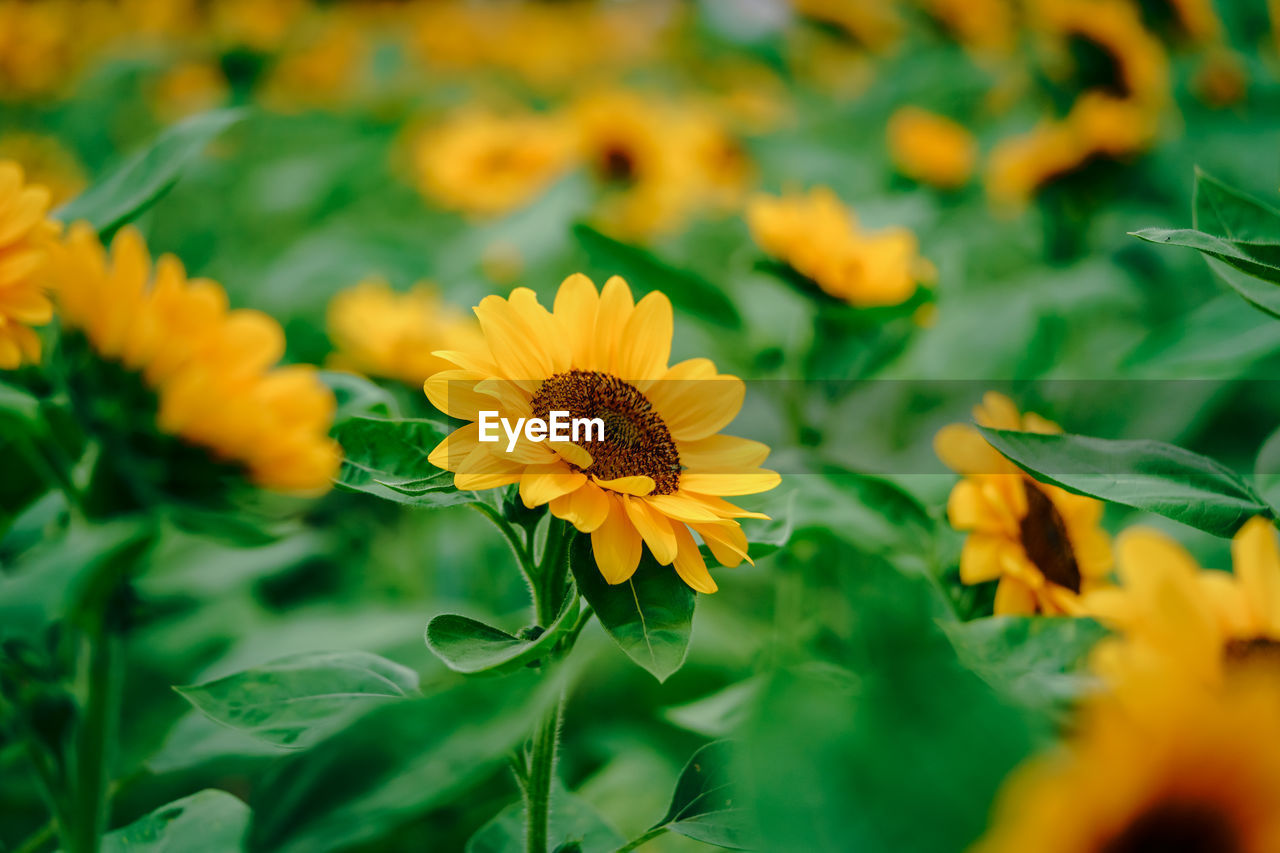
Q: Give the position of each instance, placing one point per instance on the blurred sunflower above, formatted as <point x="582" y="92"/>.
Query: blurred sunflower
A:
<point x="662" y="470"/>
<point x="26" y="234"/>
<point x="873" y="24"/>
<point x="46" y="162"/>
<point x="1043" y="544"/>
<point x="1173" y="618"/>
<point x="930" y="148"/>
<point x="486" y="164"/>
<point x="189" y="88"/>
<point x="1178" y="770"/>
<point x="380" y="332"/>
<point x="211" y="369"/>
<point x="819" y="238"/>
<point x="986" y="27"/>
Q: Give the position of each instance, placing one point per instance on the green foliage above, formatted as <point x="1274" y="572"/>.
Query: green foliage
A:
<point x="649" y="616"/>
<point x="468" y="646"/>
<point x="210" y="821"/>
<point x="388" y="459"/>
<point x="1148" y="475"/>
<point x="704" y="806"/>
<point x="573" y="821"/>
<point x="295" y="700"/>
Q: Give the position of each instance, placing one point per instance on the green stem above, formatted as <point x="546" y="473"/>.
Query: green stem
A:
<point x="643" y="839"/>
<point x="51" y="463"/>
<point x="37" y="839"/>
<point x="94" y="745"/>
<point x="549" y="590"/>
<point x="542" y="762"/>
<point x="519" y="547"/>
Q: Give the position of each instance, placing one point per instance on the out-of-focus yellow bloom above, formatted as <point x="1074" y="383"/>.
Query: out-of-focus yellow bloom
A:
<point x="26" y="233"/>
<point x="189" y="88"/>
<point x="40" y="47"/>
<point x="213" y="369"/>
<point x="548" y="45"/>
<point x="986" y="27"/>
<point x="819" y="238"/>
<point x="46" y="162"/>
<point x="485" y="164"/>
<point x="1173" y="770"/>
<point x="1175" y="620"/>
<point x="660" y="471"/>
<point x="251" y="24"/>
<point x="379" y="332"/>
<point x="320" y="66"/>
<point x="1116" y="28"/>
<point x="1043" y="544"/>
<point x="1199" y="20"/>
<point x="874" y="24"/>
<point x="657" y="161"/>
<point x="930" y="148"/>
<point x="1221" y="79"/>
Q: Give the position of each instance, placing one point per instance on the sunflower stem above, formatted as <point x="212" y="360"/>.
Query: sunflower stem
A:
<point x="94" y="742"/>
<point x="642" y="839"/>
<point x="537" y="793"/>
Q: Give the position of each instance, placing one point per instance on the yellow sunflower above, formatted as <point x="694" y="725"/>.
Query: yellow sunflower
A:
<point x="931" y="148"/>
<point x="379" y="332"/>
<point x="25" y="236"/>
<point x="660" y="472"/>
<point x="45" y="162"/>
<point x="1173" y="618"/>
<point x="986" y="27"/>
<point x="1176" y="771"/>
<point x="486" y="164"/>
<point x="818" y="237"/>
<point x="212" y="369"/>
<point x="1043" y="544"/>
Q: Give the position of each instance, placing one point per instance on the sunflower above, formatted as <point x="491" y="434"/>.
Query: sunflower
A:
<point x="1172" y="617"/>
<point x="211" y="368"/>
<point x="379" y="332"/>
<point x="819" y="238"/>
<point x="1043" y="544"/>
<point x="1177" y="770"/>
<point x="986" y="27"/>
<point x="931" y="148"/>
<point x="486" y="164"/>
<point x="26" y="233"/>
<point x="873" y="24"/>
<point x="661" y="471"/>
<point x="46" y="162"/>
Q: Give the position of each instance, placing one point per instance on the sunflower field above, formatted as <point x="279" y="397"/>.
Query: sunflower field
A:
<point x="583" y="426"/>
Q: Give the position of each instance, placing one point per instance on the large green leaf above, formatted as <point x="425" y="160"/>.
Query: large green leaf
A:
<point x="20" y="407"/>
<point x="358" y="396"/>
<point x="1146" y="475"/>
<point x="1256" y="262"/>
<point x="143" y="179"/>
<point x="468" y="646"/>
<point x="1259" y="292"/>
<point x="295" y="700"/>
<point x="650" y="615"/>
<point x="571" y="821"/>
<point x="1033" y="660"/>
<point x="704" y="806"/>
<point x="1228" y="212"/>
<point x="645" y="272"/>
<point x="393" y="764"/>
<point x="388" y="458"/>
<point x="210" y="821"/>
<point x="1266" y="469"/>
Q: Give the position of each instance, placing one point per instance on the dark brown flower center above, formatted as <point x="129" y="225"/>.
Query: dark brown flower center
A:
<point x="1259" y="650"/>
<point x="636" y="441"/>
<point x="1174" y="827"/>
<point x="617" y="164"/>
<point x="1045" y="539"/>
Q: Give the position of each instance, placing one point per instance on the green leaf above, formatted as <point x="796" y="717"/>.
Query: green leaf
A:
<point x="388" y="458"/>
<point x="1224" y="250"/>
<point x="650" y="615"/>
<point x="393" y="764"/>
<point x="1146" y="475"/>
<point x="571" y="820"/>
<point x="295" y="700"/>
<point x="18" y="406"/>
<point x="358" y="396"/>
<point x="897" y="509"/>
<point x="1034" y="661"/>
<point x="704" y="806"/>
<point x="764" y="537"/>
<point x="1228" y="212"/>
<point x="143" y="179"/>
<point x="1260" y="293"/>
<point x="468" y="646"/>
<point x="719" y="713"/>
<point x="210" y="821"/>
<point x="1266" y="469"/>
<point x="645" y="272"/>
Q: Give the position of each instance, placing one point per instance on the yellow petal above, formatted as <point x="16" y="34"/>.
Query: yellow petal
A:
<point x="456" y="447"/>
<point x="612" y="315"/>
<point x="963" y="449"/>
<point x="542" y="484"/>
<point x="638" y="485"/>
<point x="616" y="545"/>
<point x="575" y="310"/>
<point x="696" y="408"/>
<point x="585" y="508"/>
<point x="689" y="564"/>
<point x="454" y="393"/>
<point x="1256" y="561"/>
<point x="726" y="540"/>
<point x="654" y="529"/>
<point x="742" y="483"/>
<point x="982" y="558"/>
<point x="722" y="453"/>
<point x="645" y="346"/>
<point x="1014" y="598"/>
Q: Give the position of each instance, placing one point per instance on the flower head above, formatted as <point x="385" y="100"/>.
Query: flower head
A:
<point x="1174" y="770"/>
<point x="660" y="471"/>
<point x="1043" y="544"/>
<point x="211" y="369"/>
<point x="486" y="165"/>
<point x="931" y="148"/>
<point x="819" y="238"/>
<point x="1173" y="618"/>
<point x="25" y="236"/>
<point x="379" y="332"/>
<point x="46" y="162"/>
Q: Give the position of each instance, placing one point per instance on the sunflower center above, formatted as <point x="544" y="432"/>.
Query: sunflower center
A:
<point x="1177" y="828"/>
<point x="1045" y="539"/>
<point x="1258" y="650"/>
<point x="636" y="440"/>
<point x="617" y="164"/>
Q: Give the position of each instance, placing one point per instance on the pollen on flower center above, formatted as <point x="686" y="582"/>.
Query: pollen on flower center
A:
<point x="1045" y="539"/>
<point x="1188" y="827"/>
<point x="636" y="440"/>
<point x="1252" y="651"/>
